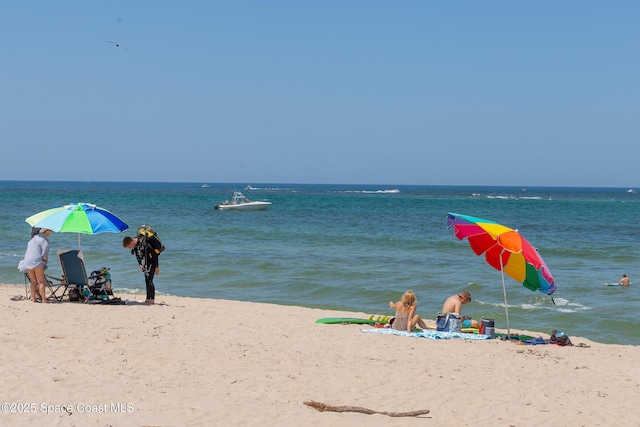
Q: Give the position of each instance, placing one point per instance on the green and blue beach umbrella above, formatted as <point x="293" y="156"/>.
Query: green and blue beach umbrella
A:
<point x="81" y="218"/>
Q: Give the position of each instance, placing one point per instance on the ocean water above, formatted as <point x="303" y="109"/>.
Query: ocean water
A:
<point x="356" y="247"/>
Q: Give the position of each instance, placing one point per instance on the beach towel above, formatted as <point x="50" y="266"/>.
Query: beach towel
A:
<point x="426" y="333"/>
<point x="534" y="341"/>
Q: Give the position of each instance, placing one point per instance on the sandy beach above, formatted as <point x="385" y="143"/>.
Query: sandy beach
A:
<point x="189" y="361"/>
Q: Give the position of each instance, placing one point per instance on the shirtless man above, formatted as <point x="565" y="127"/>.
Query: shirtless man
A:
<point x="624" y="281"/>
<point x="449" y="319"/>
<point x="454" y="303"/>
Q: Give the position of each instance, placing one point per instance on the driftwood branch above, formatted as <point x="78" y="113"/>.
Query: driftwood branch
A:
<point x="324" y="407"/>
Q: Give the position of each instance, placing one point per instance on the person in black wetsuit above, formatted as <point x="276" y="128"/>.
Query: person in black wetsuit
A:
<point x="147" y="257"/>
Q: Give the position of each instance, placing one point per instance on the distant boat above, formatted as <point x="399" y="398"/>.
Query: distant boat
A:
<point x="205" y="185"/>
<point x="631" y="190"/>
<point x="240" y="203"/>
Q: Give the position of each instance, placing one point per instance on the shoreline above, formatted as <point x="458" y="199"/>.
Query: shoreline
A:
<point x="200" y="361"/>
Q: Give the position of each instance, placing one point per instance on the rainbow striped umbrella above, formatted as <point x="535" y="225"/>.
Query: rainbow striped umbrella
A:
<point x="506" y="250"/>
<point x="81" y="218"/>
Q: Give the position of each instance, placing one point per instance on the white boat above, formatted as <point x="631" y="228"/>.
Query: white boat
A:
<point x="240" y="203"/>
<point x="205" y="185"/>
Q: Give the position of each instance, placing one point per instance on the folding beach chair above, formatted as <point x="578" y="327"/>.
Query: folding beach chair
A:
<point x="73" y="270"/>
<point x="57" y="287"/>
<point x="94" y="288"/>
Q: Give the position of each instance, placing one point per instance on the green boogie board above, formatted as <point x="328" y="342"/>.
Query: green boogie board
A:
<point x="346" y="321"/>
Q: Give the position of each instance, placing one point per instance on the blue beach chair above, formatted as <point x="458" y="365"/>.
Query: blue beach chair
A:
<point x="94" y="288"/>
<point x="73" y="270"/>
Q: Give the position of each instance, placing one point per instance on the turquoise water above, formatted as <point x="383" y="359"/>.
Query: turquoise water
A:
<point x="355" y="247"/>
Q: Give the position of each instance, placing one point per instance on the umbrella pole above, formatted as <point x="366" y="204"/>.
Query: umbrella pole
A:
<point x="78" y="241"/>
<point x="504" y="291"/>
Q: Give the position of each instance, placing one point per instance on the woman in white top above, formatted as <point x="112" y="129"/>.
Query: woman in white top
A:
<point x="34" y="263"/>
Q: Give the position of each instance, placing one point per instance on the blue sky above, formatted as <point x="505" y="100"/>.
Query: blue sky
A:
<point x="355" y="92"/>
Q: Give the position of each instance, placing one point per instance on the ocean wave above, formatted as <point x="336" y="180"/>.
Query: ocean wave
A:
<point x="391" y="191"/>
<point x="562" y="305"/>
<point x="544" y="303"/>
<point x="494" y="196"/>
<point x="273" y="189"/>
<point x="9" y="255"/>
<point x="130" y="291"/>
<point x="329" y="190"/>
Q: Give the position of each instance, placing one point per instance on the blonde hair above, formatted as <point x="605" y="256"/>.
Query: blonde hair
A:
<point x="409" y="299"/>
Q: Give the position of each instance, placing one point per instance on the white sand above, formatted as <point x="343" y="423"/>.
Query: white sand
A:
<point x="203" y="362"/>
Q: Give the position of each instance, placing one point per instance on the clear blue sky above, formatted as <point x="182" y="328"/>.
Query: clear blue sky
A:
<point x="359" y="92"/>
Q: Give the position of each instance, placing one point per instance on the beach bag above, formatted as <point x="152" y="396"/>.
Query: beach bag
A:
<point x="559" y="338"/>
<point x="146" y="234"/>
<point x="449" y="322"/>
<point x="100" y="280"/>
<point x="74" y="294"/>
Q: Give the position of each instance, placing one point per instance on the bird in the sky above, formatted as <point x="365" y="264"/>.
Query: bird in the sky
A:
<point x="116" y="44"/>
